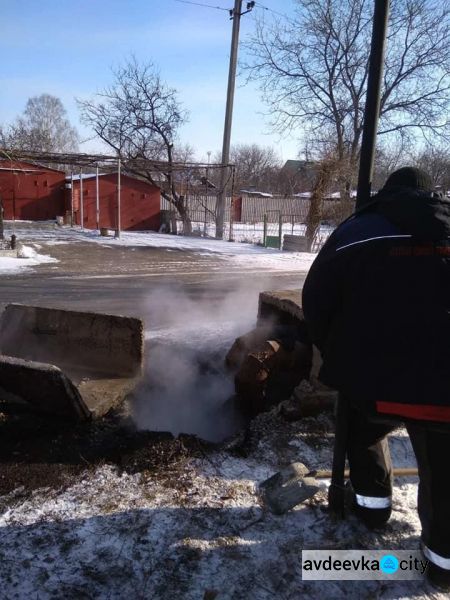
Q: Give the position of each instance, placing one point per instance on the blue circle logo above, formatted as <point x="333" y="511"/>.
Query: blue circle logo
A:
<point x="389" y="564"/>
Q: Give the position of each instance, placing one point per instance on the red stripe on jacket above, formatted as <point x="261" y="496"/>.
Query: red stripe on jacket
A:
<point x="424" y="412"/>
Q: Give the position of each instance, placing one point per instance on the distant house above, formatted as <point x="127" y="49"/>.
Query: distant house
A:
<point x="297" y="176"/>
<point x="31" y="192"/>
<point x="329" y="196"/>
<point x="255" y="193"/>
<point x="139" y="202"/>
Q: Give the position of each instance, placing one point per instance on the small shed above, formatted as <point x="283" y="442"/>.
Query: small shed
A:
<point x="31" y="192"/>
<point x="139" y="202"/>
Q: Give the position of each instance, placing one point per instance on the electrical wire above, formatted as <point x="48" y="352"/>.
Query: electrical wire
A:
<point x="203" y="5"/>
<point x="275" y="12"/>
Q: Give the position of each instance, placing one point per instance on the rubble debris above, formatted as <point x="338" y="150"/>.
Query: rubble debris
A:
<point x="244" y="344"/>
<point x="42" y="386"/>
<point x="308" y="400"/>
<point x="287" y="488"/>
<point x="269" y="373"/>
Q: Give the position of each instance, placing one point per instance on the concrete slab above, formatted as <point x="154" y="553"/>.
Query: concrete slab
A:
<point x="55" y="359"/>
<point x="284" y="307"/>
<point x="44" y="387"/>
<point x="72" y="340"/>
<point x="101" y="395"/>
<point x="280" y="305"/>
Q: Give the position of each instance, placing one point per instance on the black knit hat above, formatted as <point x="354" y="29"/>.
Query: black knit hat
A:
<point x="410" y="177"/>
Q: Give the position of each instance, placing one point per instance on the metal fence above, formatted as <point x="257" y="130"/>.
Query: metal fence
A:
<point x="248" y="218"/>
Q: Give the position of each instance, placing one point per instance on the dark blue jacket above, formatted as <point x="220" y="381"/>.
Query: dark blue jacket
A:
<point x="377" y="305"/>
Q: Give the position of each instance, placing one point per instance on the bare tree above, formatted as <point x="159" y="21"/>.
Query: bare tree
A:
<point x="388" y="158"/>
<point x="255" y="166"/>
<point x="43" y="127"/>
<point x="313" y="73"/>
<point x="435" y="160"/>
<point x="139" y="116"/>
<point x="297" y="175"/>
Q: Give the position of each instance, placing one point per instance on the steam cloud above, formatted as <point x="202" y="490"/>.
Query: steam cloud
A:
<point x="187" y="388"/>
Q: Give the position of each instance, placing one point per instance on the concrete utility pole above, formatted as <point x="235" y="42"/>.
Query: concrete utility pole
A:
<point x="372" y="108"/>
<point x="235" y="15"/>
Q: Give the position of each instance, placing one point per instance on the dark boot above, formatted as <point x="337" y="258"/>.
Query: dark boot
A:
<point x="373" y="518"/>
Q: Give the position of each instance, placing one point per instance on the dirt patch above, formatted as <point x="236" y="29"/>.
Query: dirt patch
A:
<point x="38" y="452"/>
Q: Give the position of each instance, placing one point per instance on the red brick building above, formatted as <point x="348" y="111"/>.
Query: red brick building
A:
<point x="31" y="192"/>
<point x="139" y="202"/>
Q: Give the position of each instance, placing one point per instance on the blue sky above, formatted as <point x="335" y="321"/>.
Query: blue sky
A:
<point x="67" y="48"/>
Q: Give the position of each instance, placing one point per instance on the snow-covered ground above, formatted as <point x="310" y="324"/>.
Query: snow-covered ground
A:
<point x="198" y="531"/>
<point x="253" y="233"/>
<point x="26" y="257"/>
<point x="243" y="255"/>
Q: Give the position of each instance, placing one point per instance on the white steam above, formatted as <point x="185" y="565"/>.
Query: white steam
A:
<point x="187" y="388"/>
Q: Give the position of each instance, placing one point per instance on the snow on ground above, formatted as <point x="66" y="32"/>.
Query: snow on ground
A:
<point x="27" y="257"/>
<point x="198" y="533"/>
<point x="253" y="233"/>
<point x="245" y="256"/>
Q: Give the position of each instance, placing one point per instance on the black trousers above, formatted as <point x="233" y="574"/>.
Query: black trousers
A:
<point x="371" y="474"/>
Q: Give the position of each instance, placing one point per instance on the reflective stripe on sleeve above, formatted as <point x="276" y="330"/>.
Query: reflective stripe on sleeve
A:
<point x="373" y="502"/>
<point x="372" y="239"/>
<point x="440" y="561"/>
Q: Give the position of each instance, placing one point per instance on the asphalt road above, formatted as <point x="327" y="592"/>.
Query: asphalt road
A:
<point x="123" y="280"/>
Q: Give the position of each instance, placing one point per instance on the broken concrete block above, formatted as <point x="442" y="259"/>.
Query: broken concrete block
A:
<point x="92" y="360"/>
<point x="101" y="395"/>
<point x="42" y="386"/>
<point x="279" y="303"/>
<point x="75" y="341"/>
<point x="308" y="400"/>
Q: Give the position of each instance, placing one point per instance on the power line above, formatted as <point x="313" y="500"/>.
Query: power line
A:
<point x="259" y="5"/>
<point x="203" y="5"/>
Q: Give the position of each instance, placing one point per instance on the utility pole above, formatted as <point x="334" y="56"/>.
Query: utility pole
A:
<point x="235" y="14"/>
<point x="372" y="108"/>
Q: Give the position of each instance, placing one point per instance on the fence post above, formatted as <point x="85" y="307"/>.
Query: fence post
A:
<point x="265" y="230"/>
<point x="280" y="230"/>
<point x="230" y="237"/>
<point x="81" y="199"/>
<point x="71" y="199"/>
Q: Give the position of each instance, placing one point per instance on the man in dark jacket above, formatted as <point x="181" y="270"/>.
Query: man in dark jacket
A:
<point x="377" y="305"/>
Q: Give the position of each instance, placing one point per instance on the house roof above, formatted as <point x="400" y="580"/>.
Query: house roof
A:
<point x="256" y="193"/>
<point x="87" y="176"/>
<point x="19" y="166"/>
<point x="332" y="195"/>
<point x="294" y="166"/>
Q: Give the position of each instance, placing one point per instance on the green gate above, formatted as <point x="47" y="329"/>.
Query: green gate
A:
<point x="273" y="229"/>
